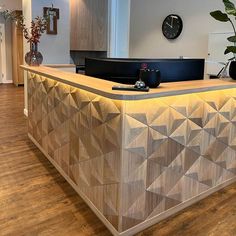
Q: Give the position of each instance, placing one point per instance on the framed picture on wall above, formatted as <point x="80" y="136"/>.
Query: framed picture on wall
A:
<point x="53" y="15"/>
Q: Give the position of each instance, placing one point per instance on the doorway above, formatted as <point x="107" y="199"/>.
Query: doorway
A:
<point x="3" y="71"/>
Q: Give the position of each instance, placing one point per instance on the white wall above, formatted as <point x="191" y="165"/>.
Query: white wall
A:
<point x="119" y="28"/>
<point x="55" y="48"/>
<point x="146" y="39"/>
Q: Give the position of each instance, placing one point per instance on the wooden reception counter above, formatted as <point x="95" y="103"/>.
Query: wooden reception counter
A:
<point x="135" y="158"/>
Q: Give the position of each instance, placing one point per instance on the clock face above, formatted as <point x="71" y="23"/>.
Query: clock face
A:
<point x="172" y="26"/>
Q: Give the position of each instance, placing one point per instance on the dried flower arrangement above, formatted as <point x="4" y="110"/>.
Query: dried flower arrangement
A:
<point x="37" y="28"/>
<point x="34" y="32"/>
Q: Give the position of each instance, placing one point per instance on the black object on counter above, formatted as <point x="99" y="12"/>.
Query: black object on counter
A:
<point x="150" y="77"/>
<point x="130" y="88"/>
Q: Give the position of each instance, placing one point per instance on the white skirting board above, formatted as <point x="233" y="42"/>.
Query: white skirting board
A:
<point x="26" y="112"/>
<point x="7" y="82"/>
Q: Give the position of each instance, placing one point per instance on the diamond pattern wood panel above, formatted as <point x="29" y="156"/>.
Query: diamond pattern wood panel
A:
<point x="135" y="160"/>
<point x="82" y="133"/>
<point x="176" y="148"/>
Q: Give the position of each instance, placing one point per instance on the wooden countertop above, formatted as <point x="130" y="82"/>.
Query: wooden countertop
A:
<point x="104" y="87"/>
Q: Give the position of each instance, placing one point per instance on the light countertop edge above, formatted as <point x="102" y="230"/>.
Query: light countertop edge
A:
<point x="104" y="87"/>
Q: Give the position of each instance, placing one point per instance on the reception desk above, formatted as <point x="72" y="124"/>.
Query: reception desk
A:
<point x="135" y="158"/>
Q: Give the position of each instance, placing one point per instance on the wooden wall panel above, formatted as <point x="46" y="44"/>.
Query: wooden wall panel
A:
<point x="89" y="22"/>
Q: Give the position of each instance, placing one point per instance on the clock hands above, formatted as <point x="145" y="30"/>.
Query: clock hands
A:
<point x="171" y="26"/>
<point x="172" y="19"/>
<point x="172" y="22"/>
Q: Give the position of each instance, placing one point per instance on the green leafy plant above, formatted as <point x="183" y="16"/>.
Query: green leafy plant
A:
<point x="227" y="16"/>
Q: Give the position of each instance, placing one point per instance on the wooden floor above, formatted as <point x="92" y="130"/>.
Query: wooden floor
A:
<point x="36" y="200"/>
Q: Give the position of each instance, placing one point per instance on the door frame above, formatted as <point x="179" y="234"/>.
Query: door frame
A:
<point x="3" y="55"/>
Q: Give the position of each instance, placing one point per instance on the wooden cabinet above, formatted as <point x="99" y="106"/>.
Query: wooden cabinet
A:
<point x="89" y="21"/>
<point x="17" y="53"/>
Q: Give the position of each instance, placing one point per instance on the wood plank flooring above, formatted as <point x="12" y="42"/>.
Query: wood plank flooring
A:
<point x="36" y="200"/>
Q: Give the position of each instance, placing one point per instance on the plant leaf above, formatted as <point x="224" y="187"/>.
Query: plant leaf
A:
<point x="226" y="51"/>
<point x="230" y="49"/>
<point x="232" y="39"/>
<point x="220" y="16"/>
<point x="229" y="7"/>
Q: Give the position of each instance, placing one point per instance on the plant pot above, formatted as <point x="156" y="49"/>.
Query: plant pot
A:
<point x="33" y="57"/>
<point x="152" y="78"/>
<point x="232" y="70"/>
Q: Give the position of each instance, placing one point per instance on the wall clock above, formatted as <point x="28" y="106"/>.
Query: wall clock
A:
<point x="172" y="26"/>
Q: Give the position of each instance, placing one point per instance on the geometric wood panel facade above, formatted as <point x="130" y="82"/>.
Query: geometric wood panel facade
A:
<point x="81" y="133"/>
<point x="135" y="160"/>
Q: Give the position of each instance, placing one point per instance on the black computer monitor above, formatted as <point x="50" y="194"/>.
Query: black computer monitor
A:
<point x="127" y="70"/>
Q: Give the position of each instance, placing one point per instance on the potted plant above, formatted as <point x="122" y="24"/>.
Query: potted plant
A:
<point x="228" y="16"/>
<point x="32" y="35"/>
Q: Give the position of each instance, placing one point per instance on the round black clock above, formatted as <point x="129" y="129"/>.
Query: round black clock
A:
<point x="172" y="26"/>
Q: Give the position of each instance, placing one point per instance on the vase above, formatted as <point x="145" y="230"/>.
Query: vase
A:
<point x="232" y="70"/>
<point x="33" y="57"/>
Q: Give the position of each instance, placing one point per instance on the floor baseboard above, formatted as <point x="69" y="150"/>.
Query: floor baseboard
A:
<point x="26" y="112"/>
<point x="7" y="82"/>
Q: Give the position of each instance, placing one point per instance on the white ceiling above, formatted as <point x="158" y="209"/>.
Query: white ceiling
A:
<point x="11" y="4"/>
